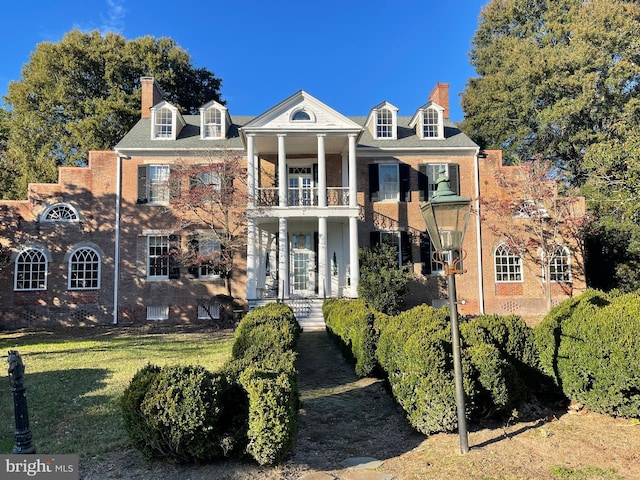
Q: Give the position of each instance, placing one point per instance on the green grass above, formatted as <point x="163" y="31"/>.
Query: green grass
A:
<point x="588" y="473"/>
<point x="75" y="377"/>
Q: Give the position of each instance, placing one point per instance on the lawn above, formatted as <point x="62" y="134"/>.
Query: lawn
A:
<point x="75" y="377"/>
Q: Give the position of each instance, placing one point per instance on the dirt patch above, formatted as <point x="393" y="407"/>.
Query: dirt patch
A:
<point x="342" y="416"/>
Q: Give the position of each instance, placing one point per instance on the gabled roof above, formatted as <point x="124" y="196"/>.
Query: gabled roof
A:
<point x="321" y="117"/>
<point x="416" y="116"/>
<point x="378" y="107"/>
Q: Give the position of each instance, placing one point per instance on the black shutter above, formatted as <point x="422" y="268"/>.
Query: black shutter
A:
<point x="405" y="248"/>
<point x="315" y="174"/>
<point x="374" y="238"/>
<point x="174" y="186"/>
<point x="174" y="264"/>
<point x="423" y="182"/>
<point x="454" y="178"/>
<point x="405" y="182"/>
<point x="374" y="183"/>
<point x="194" y="248"/>
<point x="425" y="253"/>
<point x="142" y="184"/>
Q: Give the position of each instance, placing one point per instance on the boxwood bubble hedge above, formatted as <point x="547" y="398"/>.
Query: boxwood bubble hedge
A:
<point x="590" y="345"/>
<point x="414" y="351"/>
<point x="187" y="414"/>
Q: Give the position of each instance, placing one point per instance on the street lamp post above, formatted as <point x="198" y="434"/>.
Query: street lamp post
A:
<point x="446" y="216"/>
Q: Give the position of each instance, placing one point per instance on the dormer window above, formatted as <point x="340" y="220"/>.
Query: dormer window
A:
<point x="214" y="121"/>
<point x="428" y="122"/>
<point x="382" y="122"/>
<point x="163" y="125"/>
<point x="166" y="122"/>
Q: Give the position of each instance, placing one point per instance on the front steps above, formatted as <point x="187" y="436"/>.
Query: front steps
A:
<point x="308" y="311"/>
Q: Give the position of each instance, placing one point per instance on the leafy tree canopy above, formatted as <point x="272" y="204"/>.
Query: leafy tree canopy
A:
<point x="83" y="93"/>
<point x="555" y="78"/>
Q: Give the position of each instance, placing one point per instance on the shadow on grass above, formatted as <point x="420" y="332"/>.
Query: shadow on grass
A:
<point x="65" y="414"/>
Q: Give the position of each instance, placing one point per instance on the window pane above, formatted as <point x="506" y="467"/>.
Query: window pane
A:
<point x="84" y="268"/>
<point x="508" y="265"/>
<point x="164" y="123"/>
<point x="158" y="256"/>
<point x="384" y="127"/>
<point x="388" y="175"/>
<point x="31" y="271"/>
<point x="158" y="183"/>
<point x="430" y="123"/>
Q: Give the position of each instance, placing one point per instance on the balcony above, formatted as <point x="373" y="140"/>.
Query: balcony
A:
<point x="302" y="197"/>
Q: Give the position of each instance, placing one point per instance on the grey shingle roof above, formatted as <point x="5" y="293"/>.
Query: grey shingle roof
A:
<point x="139" y="137"/>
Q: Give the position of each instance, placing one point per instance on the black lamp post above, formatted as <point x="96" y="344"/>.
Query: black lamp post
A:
<point x="446" y="216"/>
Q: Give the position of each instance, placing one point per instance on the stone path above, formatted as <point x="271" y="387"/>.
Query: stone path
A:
<point x="347" y="426"/>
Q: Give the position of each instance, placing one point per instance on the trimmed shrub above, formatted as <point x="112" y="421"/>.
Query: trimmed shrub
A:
<point x="266" y="331"/>
<point x="184" y="414"/>
<point x="356" y="329"/>
<point x="415" y="351"/>
<point x="590" y="346"/>
<point x="135" y="422"/>
<point x="273" y="410"/>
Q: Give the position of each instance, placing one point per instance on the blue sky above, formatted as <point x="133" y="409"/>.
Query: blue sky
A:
<point x="350" y="54"/>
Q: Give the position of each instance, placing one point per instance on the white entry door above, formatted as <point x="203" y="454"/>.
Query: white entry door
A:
<point x="302" y="265"/>
<point x="301" y="192"/>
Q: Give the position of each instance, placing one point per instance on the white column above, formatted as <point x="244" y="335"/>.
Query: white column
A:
<point x="252" y="259"/>
<point x="322" y="173"/>
<point x="324" y="278"/>
<point x="282" y="171"/>
<point x="283" y="259"/>
<point x="251" y="171"/>
<point x="354" y="263"/>
<point x="353" y="174"/>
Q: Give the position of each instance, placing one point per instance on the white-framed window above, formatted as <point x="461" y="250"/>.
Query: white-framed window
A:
<point x="163" y="123"/>
<point x="508" y="264"/>
<point x="389" y="182"/>
<point x="206" y="249"/>
<point x="213" y="123"/>
<point x="302" y="115"/>
<point x="60" y="212"/>
<point x="431" y="123"/>
<point x="158" y="312"/>
<point x="30" y="270"/>
<point x="384" y="123"/>
<point x="158" y="183"/>
<point x="399" y="240"/>
<point x="209" y="311"/>
<point x="429" y="174"/>
<point x="428" y="122"/>
<point x="206" y="179"/>
<point x="560" y="266"/>
<point x="158" y="257"/>
<point x="84" y="269"/>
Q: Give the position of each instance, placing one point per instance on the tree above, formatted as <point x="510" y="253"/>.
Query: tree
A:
<point x="209" y="202"/>
<point x="554" y="78"/>
<point x="383" y="283"/>
<point x="536" y="222"/>
<point x="83" y="93"/>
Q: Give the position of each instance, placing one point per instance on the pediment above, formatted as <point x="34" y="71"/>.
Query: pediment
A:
<point x="301" y="112"/>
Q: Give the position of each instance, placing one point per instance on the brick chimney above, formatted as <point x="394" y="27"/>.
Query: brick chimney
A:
<point x="151" y="95"/>
<point x="440" y="95"/>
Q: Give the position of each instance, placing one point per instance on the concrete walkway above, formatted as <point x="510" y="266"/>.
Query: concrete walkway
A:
<point x="347" y="426"/>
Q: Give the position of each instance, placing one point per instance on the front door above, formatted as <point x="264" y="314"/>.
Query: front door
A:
<point x="302" y="265"/>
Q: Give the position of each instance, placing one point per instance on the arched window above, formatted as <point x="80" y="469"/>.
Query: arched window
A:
<point x="213" y="123"/>
<point x="431" y="124"/>
<point x="60" y="212"/>
<point x="508" y="264"/>
<point x="30" y="270"/>
<point x="301" y="116"/>
<point x="384" y="125"/>
<point x="84" y="269"/>
<point x="560" y="266"/>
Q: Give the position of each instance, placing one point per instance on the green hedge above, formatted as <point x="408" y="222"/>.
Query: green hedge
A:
<point x="187" y="414"/>
<point x="415" y="351"/>
<point x="590" y="345"/>
<point x="356" y="329"/>
<point x="183" y="414"/>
